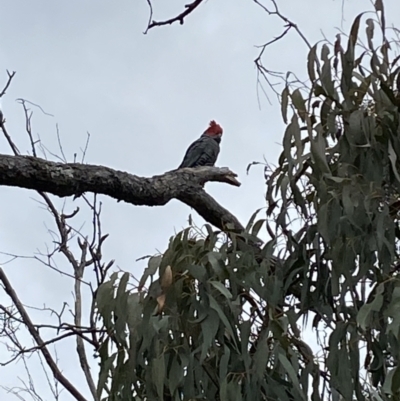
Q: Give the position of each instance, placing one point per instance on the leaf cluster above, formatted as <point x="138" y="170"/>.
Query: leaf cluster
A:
<point x="338" y="174"/>
<point x="209" y="326"/>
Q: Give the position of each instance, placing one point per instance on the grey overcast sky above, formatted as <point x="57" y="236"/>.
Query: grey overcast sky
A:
<point x="144" y="99"/>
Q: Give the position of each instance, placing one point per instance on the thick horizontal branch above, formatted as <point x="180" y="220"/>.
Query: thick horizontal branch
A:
<point x="73" y="179"/>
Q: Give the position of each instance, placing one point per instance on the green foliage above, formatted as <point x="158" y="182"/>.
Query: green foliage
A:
<point x="341" y="180"/>
<point x="214" y="332"/>
<point x="219" y="320"/>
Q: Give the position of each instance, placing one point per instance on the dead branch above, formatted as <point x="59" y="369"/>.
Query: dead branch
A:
<point x="10" y="78"/>
<point x="71" y="179"/>
<point x="38" y="339"/>
<point x="80" y="346"/>
<point x="7" y="135"/>
<point x="269" y="75"/>
<point x="64" y="231"/>
<point x="287" y="21"/>
<point x="189" y="8"/>
<point x="23" y="350"/>
<point x="24" y="101"/>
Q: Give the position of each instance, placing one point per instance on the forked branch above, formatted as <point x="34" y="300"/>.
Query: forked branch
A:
<point x="38" y="339"/>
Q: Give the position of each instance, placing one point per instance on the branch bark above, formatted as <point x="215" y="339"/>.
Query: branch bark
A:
<point x="68" y="179"/>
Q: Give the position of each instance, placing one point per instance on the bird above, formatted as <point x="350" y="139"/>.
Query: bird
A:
<point x="204" y="151"/>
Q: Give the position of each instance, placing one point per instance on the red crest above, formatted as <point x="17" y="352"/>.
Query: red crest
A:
<point x="214" y="129"/>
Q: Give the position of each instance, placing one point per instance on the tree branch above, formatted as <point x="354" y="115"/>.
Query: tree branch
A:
<point x="189" y="8"/>
<point x="10" y="77"/>
<point x="80" y="346"/>
<point x="67" y="179"/>
<point x="38" y="339"/>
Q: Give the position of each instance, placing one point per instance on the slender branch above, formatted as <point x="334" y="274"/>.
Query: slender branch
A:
<point x="80" y="347"/>
<point x="63" y="247"/>
<point x="64" y="230"/>
<point x="288" y="22"/>
<point x="10" y="77"/>
<point x="7" y="135"/>
<point x="2" y="119"/>
<point x="38" y="339"/>
<point x="23" y="101"/>
<point x="150" y="15"/>
<point x="189" y="8"/>
<point x="289" y="25"/>
<point x="71" y="179"/>
<point x="28" y="126"/>
<point x="51" y="341"/>
<point x="62" y="326"/>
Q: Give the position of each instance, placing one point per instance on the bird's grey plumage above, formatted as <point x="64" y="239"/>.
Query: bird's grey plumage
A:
<point x="202" y="152"/>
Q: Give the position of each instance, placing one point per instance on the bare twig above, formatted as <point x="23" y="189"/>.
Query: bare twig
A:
<point x="64" y="159"/>
<point x="28" y="127"/>
<point x="279" y="37"/>
<point x="72" y="329"/>
<point x="84" y="150"/>
<point x="74" y="332"/>
<point x="20" y="100"/>
<point x="64" y="232"/>
<point x="7" y="136"/>
<point x="179" y="18"/>
<point x="10" y="77"/>
<point x="289" y="24"/>
<point x="53" y="386"/>
<point x="150" y="15"/>
<point x="80" y="347"/>
<point x="35" y="335"/>
<point x="49" y="264"/>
